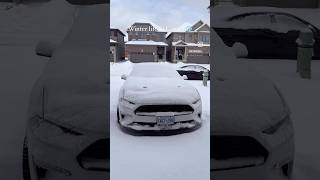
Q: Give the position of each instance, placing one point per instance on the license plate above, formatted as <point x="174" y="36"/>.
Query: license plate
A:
<point x="165" y="121"/>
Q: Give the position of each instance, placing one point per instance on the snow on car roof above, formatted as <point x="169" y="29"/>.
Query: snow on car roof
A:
<point x="152" y="70"/>
<point x="151" y="43"/>
<point x="223" y="13"/>
<point x="113" y="41"/>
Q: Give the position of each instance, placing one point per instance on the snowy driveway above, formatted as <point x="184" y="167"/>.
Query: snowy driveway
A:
<point x="180" y="157"/>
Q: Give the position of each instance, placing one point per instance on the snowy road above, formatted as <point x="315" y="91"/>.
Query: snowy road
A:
<point x="303" y="99"/>
<point x="180" y="157"/>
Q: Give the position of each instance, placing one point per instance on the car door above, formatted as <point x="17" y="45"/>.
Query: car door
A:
<point x="256" y="31"/>
<point x="289" y="28"/>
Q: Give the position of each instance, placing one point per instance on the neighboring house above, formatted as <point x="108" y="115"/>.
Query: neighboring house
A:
<point x="117" y="46"/>
<point x="146" y="43"/>
<point x="275" y="3"/>
<point x="192" y="46"/>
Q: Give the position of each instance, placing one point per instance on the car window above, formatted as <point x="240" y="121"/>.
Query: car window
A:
<point x="254" y="21"/>
<point x="289" y="23"/>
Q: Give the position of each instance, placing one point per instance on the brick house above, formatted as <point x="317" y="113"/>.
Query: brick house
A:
<point x="146" y="43"/>
<point x="117" y="46"/>
<point x="192" y="46"/>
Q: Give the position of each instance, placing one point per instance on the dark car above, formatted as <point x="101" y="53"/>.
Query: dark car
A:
<point x="252" y="134"/>
<point x="67" y="134"/>
<point x="268" y="33"/>
<point x="193" y="72"/>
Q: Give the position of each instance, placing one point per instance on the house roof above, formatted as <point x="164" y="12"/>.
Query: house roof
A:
<point x="197" y="25"/>
<point x="115" y="29"/>
<point x="159" y="29"/>
<point x="199" y="28"/>
<point x="194" y="28"/>
<point x="149" y="43"/>
<point x="113" y="41"/>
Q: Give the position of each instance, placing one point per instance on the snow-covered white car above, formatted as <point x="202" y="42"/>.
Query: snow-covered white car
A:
<point x="252" y="135"/>
<point x="156" y="100"/>
<point x="67" y="134"/>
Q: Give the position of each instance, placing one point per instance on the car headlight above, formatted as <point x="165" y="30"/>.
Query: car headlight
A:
<point x="127" y="101"/>
<point x="197" y="101"/>
<point x="54" y="133"/>
<point x="274" y="128"/>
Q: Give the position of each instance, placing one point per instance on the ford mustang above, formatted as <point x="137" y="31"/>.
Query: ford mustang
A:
<point x="155" y="100"/>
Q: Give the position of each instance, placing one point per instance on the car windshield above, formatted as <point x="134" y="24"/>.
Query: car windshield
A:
<point x="194" y="68"/>
<point x="154" y="70"/>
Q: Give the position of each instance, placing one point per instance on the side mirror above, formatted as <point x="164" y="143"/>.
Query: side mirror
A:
<point x="124" y="77"/>
<point x="240" y="50"/>
<point x="45" y="49"/>
<point x="185" y="77"/>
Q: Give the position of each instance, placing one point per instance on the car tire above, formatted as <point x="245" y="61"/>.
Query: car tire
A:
<point x="25" y="161"/>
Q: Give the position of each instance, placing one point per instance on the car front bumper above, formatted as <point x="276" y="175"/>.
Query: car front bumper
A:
<point x="277" y="166"/>
<point x="146" y="124"/>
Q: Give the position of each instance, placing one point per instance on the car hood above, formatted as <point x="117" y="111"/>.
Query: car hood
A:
<point x="243" y="100"/>
<point x="159" y="91"/>
<point x="73" y="89"/>
<point x="243" y="105"/>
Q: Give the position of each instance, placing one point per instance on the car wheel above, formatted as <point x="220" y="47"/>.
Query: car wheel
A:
<point x="25" y="161"/>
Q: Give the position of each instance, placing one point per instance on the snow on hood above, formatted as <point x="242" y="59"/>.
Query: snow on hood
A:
<point x="244" y="101"/>
<point x="144" y="90"/>
<point x="223" y="12"/>
<point x="75" y="80"/>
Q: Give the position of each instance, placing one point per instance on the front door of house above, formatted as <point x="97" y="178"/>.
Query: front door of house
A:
<point x="161" y="53"/>
<point x="180" y="53"/>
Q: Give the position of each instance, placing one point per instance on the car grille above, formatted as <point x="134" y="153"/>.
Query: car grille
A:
<point x="96" y="157"/>
<point x="236" y="151"/>
<point x="164" y="108"/>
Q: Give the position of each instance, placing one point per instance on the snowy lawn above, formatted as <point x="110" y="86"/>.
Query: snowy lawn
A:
<point x="180" y="157"/>
<point x="303" y="99"/>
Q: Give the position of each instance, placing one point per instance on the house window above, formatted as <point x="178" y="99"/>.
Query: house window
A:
<point x="204" y="38"/>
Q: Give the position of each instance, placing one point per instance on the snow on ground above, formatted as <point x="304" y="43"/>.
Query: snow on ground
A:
<point x="303" y="99"/>
<point x="180" y="157"/>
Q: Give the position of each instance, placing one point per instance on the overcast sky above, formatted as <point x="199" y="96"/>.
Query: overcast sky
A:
<point x="168" y="14"/>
